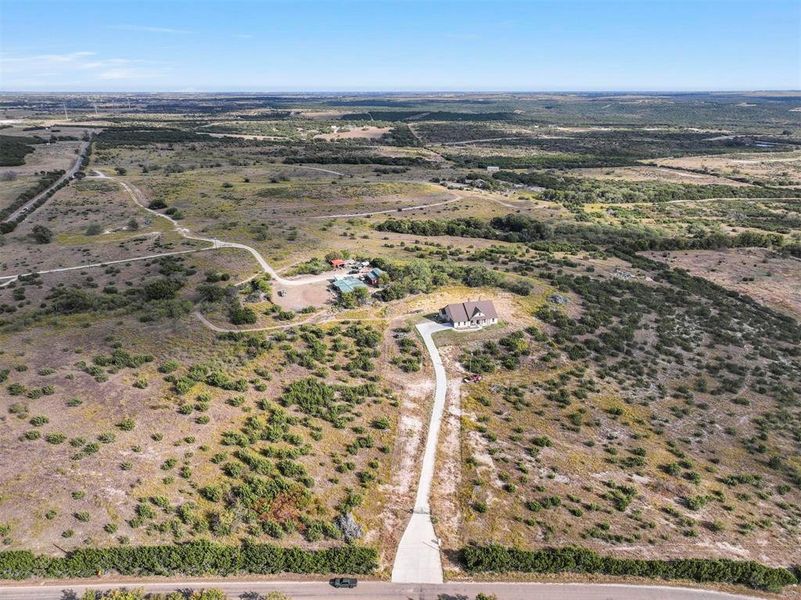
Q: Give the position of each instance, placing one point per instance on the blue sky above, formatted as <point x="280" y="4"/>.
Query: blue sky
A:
<point x="403" y="45"/>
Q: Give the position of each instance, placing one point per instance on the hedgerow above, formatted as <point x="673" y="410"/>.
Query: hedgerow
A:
<point x="524" y="229"/>
<point x="494" y="558"/>
<point x="192" y="558"/>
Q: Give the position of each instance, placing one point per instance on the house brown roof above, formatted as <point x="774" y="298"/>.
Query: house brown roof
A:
<point x="466" y="311"/>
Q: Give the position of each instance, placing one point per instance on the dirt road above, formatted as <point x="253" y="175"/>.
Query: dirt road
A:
<point x="11" y="278"/>
<point x="137" y="196"/>
<point x="27" y="208"/>
<point x="391" y="210"/>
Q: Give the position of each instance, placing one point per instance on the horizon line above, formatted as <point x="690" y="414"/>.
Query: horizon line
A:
<point x="423" y="91"/>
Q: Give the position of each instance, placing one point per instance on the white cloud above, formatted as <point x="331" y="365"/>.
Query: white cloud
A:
<point x="73" y="69"/>
<point x="24" y="63"/>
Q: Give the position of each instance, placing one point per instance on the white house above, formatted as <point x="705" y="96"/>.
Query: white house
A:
<point x="469" y="314"/>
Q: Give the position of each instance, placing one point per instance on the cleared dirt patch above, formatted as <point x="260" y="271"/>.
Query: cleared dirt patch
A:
<point x="301" y="296"/>
<point x="763" y="275"/>
<point x="369" y="133"/>
<point x="648" y="173"/>
<point x="775" y="169"/>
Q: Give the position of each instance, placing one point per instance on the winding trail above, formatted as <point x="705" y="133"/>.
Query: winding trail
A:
<point x="314" y="319"/>
<point x="137" y="196"/>
<point x="697" y="200"/>
<point x="99" y="264"/>
<point x="319" y="169"/>
<point x="391" y="210"/>
<point x="218" y="329"/>
<point x="479" y="141"/>
<point x="139" y="199"/>
<point x="418" y="558"/>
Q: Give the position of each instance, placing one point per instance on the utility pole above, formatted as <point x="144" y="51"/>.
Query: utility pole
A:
<point x="66" y="116"/>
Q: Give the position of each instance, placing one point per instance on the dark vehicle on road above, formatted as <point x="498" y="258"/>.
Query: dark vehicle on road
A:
<point x="344" y="582"/>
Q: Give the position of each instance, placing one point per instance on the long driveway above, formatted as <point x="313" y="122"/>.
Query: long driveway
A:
<point x="379" y="590"/>
<point x="418" y="559"/>
<point x="28" y="206"/>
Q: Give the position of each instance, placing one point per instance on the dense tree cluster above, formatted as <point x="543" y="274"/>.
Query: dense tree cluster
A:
<point x="575" y="191"/>
<point x="142" y="136"/>
<point x="522" y="228"/>
<point x="13" y="149"/>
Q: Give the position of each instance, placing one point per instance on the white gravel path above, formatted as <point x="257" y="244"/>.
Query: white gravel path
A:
<point x="418" y="559"/>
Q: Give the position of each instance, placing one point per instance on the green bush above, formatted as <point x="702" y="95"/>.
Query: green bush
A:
<point x="494" y="558"/>
<point x="242" y="315"/>
<point x="190" y="559"/>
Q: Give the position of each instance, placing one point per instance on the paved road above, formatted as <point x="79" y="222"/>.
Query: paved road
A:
<point x="28" y="206"/>
<point x="377" y="590"/>
<point x="418" y="559"/>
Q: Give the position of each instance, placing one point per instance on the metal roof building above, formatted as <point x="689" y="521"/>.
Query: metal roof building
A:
<point x="345" y="285"/>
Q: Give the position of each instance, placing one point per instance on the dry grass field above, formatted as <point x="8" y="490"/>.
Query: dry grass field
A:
<point x="782" y="170"/>
<point x="555" y="450"/>
<point x="772" y="279"/>
<point x="639" y="397"/>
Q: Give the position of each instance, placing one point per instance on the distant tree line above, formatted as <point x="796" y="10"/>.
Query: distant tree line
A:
<point x="355" y="159"/>
<point x="576" y="191"/>
<point x="423" y="115"/>
<point x="601" y="147"/>
<point x="142" y="136"/>
<point x="522" y="228"/>
<point x="541" y="161"/>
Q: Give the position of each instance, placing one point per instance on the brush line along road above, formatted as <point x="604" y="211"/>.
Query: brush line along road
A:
<point x="26" y="208"/>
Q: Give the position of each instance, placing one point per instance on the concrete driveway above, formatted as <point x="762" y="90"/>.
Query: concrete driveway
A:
<point x="418" y="559"/>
